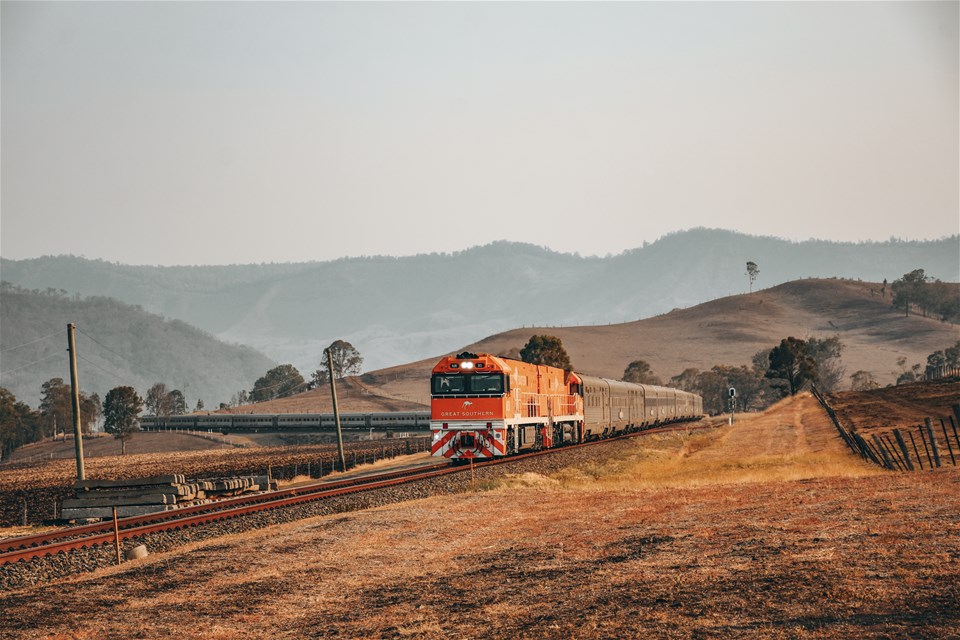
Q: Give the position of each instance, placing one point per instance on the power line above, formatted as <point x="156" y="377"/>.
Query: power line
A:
<point x="26" y="344"/>
<point x="102" y="345"/>
<point x="94" y="364"/>
<point x="55" y="355"/>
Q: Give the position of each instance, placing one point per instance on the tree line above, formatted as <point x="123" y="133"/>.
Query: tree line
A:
<point x="773" y="374"/>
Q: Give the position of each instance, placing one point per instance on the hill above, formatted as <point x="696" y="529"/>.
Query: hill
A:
<point x="396" y="310"/>
<point x="726" y="331"/>
<point x="117" y="344"/>
<point x="353" y="396"/>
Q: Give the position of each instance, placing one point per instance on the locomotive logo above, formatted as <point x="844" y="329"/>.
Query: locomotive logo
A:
<point x="466" y="403"/>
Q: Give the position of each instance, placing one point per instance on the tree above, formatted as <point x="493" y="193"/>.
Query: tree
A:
<point x="19" y="424"/>
<point x="156" y="401"/>
<point x="752" y="271"/>
<point x="547" y="350"/>
<point x="199" y="406"/>
<point x="639" y="371"/>
<point x="863" y="381"/>
<point x="56" y="407"/>
<point x="279" y="382"/>
<point x="909" y="290"/>
<point x="90" y="412"/>
<point x="952" y="356"/>
<point x="907" y="375"/>
<point x="319" y="378"/>
<point x="121" y="410"/>
<point x="826" y="353"/>
<point x="791" y="365"/>
<point x="686" y="380"/>
<point x="175" y="402"/>
<point x="346" y="362"/>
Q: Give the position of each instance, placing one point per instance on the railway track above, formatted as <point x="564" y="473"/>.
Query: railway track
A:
<point x="87" y="536"/>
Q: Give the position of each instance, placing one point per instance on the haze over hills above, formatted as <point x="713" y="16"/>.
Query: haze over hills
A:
<point x="117" y="344"/>
<point x="396" y="310"/>
<point x="726" y="331"/>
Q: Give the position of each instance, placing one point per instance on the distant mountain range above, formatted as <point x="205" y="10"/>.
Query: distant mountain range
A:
<point x="117" y="344"/>
<point x="397" y="310"/>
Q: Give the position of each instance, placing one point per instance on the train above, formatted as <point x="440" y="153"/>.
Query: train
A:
<point x="484" y="406"/>
<point x="227" y="423"/>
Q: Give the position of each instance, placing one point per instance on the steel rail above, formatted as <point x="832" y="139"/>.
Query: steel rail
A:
<point x="22" y="542"/>
<point x="86" y="536"/>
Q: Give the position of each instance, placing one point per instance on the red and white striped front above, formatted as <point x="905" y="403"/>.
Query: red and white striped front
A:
<point x="466" y="440"/>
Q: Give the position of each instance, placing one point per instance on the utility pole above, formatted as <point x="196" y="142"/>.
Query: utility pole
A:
<point x="336" y="410"/>
<point x="75" y="393"/>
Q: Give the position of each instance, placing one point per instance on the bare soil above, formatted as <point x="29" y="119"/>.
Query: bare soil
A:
<point x="767" y="528"/>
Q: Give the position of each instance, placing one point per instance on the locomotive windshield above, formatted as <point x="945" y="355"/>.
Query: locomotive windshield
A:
<point x="471" y="384"/>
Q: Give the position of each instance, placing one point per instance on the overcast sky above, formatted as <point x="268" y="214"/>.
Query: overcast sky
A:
<point x="213" y="133"/>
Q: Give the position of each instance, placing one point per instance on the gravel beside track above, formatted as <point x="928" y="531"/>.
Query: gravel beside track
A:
<point x="42" y="570"/>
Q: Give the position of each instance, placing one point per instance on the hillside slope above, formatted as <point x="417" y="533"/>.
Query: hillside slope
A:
<point x="396" y="310"/>
<point x="117" y="344"/>
<point x="726" y="331"/>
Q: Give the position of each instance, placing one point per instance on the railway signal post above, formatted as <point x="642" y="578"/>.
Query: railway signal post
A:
<point x="733" y="402"/>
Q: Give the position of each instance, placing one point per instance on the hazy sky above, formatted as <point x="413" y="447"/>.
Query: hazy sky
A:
<point x="208" y="133"/>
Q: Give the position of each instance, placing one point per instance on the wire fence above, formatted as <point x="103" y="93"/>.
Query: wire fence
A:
<point x="916" y="448"/>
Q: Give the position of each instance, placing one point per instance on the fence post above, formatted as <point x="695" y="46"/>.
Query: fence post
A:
<point x="886" y="458"/>
<point x="893" y="452"/>
<point x="865" y="449"/>
<point x="933" y="443"/>
<point x="946" y="438"/>
<point x="923" y="439"/>
<point x="956" y="438"/>
<point x="903" y="448"/>
<point x="914" y="443"/>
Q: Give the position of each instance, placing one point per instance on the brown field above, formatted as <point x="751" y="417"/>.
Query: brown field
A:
<point x="765" y="529"/>
<point x="45" y="484"/>
<point x="726" y="331"/>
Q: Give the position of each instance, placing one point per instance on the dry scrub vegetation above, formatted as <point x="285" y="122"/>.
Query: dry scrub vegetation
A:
<point x="766" y="529"/>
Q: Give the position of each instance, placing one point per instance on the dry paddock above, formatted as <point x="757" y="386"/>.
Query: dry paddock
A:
<point x="765" y="529"/>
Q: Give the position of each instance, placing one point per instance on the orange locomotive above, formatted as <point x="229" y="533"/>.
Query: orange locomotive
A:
<point x="483" y="406"/>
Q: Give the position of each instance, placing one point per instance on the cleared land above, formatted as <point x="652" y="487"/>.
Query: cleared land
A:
<point x="768" y="528"/>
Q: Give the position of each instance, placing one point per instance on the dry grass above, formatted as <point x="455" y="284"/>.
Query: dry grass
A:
<point x="792" y="441"/>
<point x="727" y="331"/>
<point x="695" y="535"/>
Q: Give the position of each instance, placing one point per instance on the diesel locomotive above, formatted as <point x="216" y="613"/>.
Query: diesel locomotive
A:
<point x="484" y="406"/>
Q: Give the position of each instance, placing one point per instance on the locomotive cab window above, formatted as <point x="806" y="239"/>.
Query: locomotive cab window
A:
<point x="472" y="384"/>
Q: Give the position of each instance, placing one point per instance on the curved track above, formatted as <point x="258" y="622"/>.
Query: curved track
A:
<point x="85" y="536"/>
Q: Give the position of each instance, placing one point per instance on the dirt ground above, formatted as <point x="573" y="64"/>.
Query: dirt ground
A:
<point x="764" y="529"/>
<point x="901" y="406"/>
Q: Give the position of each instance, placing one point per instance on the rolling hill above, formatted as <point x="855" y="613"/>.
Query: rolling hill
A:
<point x="727" y="331"/>
<point x="117" y="344"/>
<point x="395" y="310"/>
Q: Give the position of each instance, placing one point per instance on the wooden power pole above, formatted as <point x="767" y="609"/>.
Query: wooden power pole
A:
<point x="336" y="410"/>
<point x="75" y="394"/>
